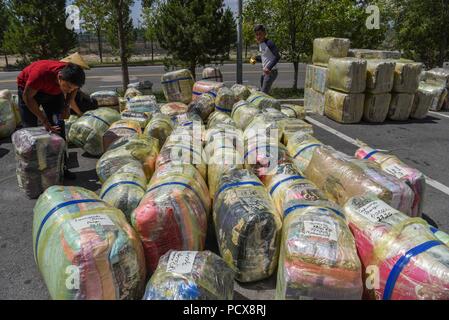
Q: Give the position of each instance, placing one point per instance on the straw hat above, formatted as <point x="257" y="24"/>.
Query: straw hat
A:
<point x="77" y="59"/>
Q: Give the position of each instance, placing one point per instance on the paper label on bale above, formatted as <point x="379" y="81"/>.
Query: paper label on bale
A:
<point x="91" y="221"/>
<point x="377" y="211"/>
<point x="181" y="262"/>
<point x="396" y="170"/>
<point x="320" y="229"/>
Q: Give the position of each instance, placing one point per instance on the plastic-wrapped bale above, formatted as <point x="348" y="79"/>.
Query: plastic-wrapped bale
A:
<point x="141" y="118"/>
<point x="407" y="77"/>
<point x="394" y="166"/>
<point x="7" y="119"/>
<point x="39" y="156"/>
<point x="412" y="263"/>
<point x="4" y="113"/>
<point x="225" y="100"/>
<point x="141" y="148"/>
<point x="125" y="188"/>
<point x="218" y="117"/>
<point x="178" y="85"/>
<point x="247" y="225"/>
<point x="105" y="98"/>
<point x="376" y="107"/>
<point x="343" y="107"/>
<point x="374" y="54"/>
<point x="223" y="136"/>
<point x="289" y="127"/>
<point x="73" y="230"/>
<point x="191" y="275"/>
<point x="326" y="48"/>
<point x="203" y="106"/>
<point x="172" y="215"/>
<point x="120" y="129"/>
<point x="68" y="123"/>
<point x="263" y="101"/>
<point x="314" y="101"/>
<point x="15" y="108"/>
<point x="5" y="94"/>
<point x="132" y="93"/>
<point x="317" y="78"/>
<point x="401" y="106"/>
<point x="174" y="108"/>
<point x="347" y="75"/>
<point x="243" y="113"/>
<point x="380" y="76"/>
<point x="142" y="104"/>
<point x="442" y="236"/>
<point x="241" y="92"/>
<point x="205" y="86"/>
<point x="160" y="127"/>
<point x="422" y="101"/>
<point x="266" y="124"/>
<point x="188" y="120"/>
<point x="439" y="92"/>
<point x="342" y="177"/>
<point x="146" y="86"/>
<point x="213" y="74"/>
<point x="301" y="148"/>
<point x="318" y="258"/>
<point x="87" y="132"/>
<point x="438" y="75"/>
<point x="294" y="111"/>
<point x="122" y="104"/>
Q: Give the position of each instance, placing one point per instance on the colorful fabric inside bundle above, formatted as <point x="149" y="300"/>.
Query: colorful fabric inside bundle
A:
<point x="7" y="118"/>
<point x="342" y="177"/>
<point x="105" y="98"/>
<point x="141" y="118"/>
<point x="39" y="157"/>
<point x="84" y="248"/>
<point x="217" y="117"/>
<point x="87" y="132"/>
<point x="172" y="215"/>
<point x="160" y="127"/>
<point x="247" y="226"/>
<point x="177" y="86"/>
<point x="225" y="100"/>
<point x="205" y="86"/>
<point x="409" y="262"/>
<point x="174" y="108"/>
<point x="120" y="129"/>
<point x="204" y="105"/>
<point x="301" y="148"/>
<point x="191" y="275"/>
<point x="188" y="120"/>
<point x="125" y="188"/>
<point x="243" y="113"/>
<point x="241" y="92"/>
<point x="392" y="165"/>
<point x="141" y="148"/>
<point x="142" y="104"/>
<point x="263" y="101"/>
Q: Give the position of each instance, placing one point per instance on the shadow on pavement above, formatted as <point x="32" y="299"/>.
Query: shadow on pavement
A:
<point x="3" y="152"/>
<point x="85" y="179"/>
<point x="429" y="220"/>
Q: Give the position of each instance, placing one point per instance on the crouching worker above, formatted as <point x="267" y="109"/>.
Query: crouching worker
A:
<point x="52" y="85"/>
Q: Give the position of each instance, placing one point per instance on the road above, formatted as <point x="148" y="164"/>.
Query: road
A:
<point x="110" y="78"/>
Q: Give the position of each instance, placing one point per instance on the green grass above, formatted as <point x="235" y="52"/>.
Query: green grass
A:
<point x="287" y="93"/>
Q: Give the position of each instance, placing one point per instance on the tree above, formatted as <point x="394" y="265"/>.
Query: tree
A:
<point x="4" y="23"/>
<point x="195" y="32"/>
<point x="149" y="16"/>
<point x="94" y="15"/>
<point x="37" y="30"/>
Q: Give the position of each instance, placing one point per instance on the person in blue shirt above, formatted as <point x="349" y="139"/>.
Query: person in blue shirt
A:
<point x="269" y="57"/>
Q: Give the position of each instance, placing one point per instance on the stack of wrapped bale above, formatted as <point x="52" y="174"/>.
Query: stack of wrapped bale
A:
<point x="85" y="249"/>
<point x="403" y="258"/>
<point x="122" y="129"/>
<point x="247" y="226"/>
<point x="109" y="99"/>
<point x="213" y="74"/>
<point x="205" y="86"/>
<point x="178" y="85"/>
<point x="406" y="84"/>
<point x="317" y="74"/>
<point x="344" y="100"/>
<point x="436" y="81"/>
<point x="7" y="118"/>
<point x="39" y="156"/>
<point x="173" y="214"/>
<point x="318" y="257"/>
<point x="374" y="54"/>
<point x="191" y="275"/>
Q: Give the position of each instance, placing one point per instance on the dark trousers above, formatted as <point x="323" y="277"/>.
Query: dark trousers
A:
<point x="266" y="81"/>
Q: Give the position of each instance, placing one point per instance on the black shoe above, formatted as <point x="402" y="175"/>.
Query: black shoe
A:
<point x="69" y="175"/>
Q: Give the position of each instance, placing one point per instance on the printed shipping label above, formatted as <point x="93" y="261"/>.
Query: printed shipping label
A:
<point x="377" y="211"/>
<point x="181" y="262"/>
<point x="320" y="229"/>
<point x="396" y="170"/>
<point x="91" y="221"/>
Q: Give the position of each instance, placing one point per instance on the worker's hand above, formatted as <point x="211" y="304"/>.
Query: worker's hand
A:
<point x="50" y="128"/>
<point x="266" y="71"/>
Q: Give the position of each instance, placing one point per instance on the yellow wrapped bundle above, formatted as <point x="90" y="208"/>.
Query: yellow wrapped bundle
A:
<point x="376" y="107"/>
<point x="347" y="75"/>
<point x="438" y="75"/>
<point x="317" y="78"/>
<point x="203" y="106"/>
<point x="141" y="118"/>
<point x="213" y="74"/>
<point x="440" y="94"/>
<point x="7" y="119"/>
<point x="122" y="104"/>
<point x="85" y="249"/>
<point x="223" y="135"/>
<point x="422" y="103"/>
<point x="243" y="113"/>
<point x="225" y="100"/>
<point x="314" y="101"/>
<point x="289" y="127"/>
<point x="241" y="92"/>
<point x="15" y="108"/>
<point x="141" y="148"/>
<point x="263" y="101"/>
<point x="247" y="226"/>
<point x="301" y="147"/>
<point x="373" y="54"/>
<point x="344" y="108"/>
<point x="142" y="104"/>
<point x="401" y="106"/>
<point x="326" y="48"/>
<point x="105" y="98"/>
<point x="218" y="117"/>
<point x="407" y="76"/>
<point x="294" y="111"/>
<point x="205" y="86"/>
<point x="380" y="76"/>
<point x="68" y="123"/>
<point x="177" y="86"/>
<point x="160" y="127"/>
<point x="265" y="126"/>
<point x="131" y="93"/>
<point x="122" y="129"/>
<point x="174" y="108"/>
<point x="125" y="188"/>
<point x="342" y="177"/>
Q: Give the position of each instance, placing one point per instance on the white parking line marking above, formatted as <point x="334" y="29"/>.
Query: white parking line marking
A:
<point x="439" y="114"/>
<point x="431" y="182"/>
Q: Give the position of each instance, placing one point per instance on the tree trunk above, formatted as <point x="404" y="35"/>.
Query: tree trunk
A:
<point x="122" y="42"/>
<point x="193" y="70"/>
<point x="100" y="45"/>
<point x="295" y="81"/>
<point x="246" y="51"/>
<point x="6" y="61"/>
<point x="152" y="51"/>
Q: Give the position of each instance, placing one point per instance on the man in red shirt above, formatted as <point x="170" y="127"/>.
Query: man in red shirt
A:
<point x="52" y="85"/>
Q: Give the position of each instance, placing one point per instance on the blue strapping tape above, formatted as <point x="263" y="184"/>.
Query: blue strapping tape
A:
<point x="176" y="80"/>
<point x="222" y="109"/>
<point x="369" y="155"/>
<point x="283" y="181"/>
<point x="238" y="184"/>
<point x="98" y="118"/>
<point x="306" y="148"/>
<point x="303" y="206"/>
<point x="118" y="184"/>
